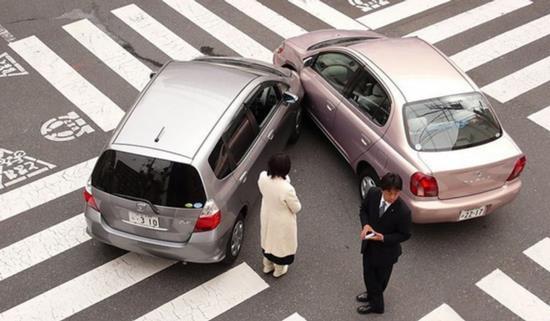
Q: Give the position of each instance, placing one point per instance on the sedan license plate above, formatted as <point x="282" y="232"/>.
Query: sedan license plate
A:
<point x="471" y="213"/>
<point x="143" y="220"/>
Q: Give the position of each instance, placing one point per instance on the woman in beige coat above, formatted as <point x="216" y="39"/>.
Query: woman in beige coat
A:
<point x="279" y="235"/>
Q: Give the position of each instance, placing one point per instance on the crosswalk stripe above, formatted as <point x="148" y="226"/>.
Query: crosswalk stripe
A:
<point x="328" y="15"/>
<point x="399" y="11"/>
<point x="220" y="29"/>
<point x="542" y="118"/>
<point x="41" y="246"/>
<point x="295" y="317"/>
<point x="102" y="110"/>
<point x="502" y="44"/>
<point x="514" y="297"/>
<point x="87" y="289"/>
<point x="443" y="313"/>
<point x="519" y="82"/>
<point x="211" y="298"/>
<point x="540" y="253"/>
<point x="111" y="53"/>
<point x="469" y="19"/>
<point x="267" y="17"/>
<point x="156" y="33"/>
<point x="45" y="189"/>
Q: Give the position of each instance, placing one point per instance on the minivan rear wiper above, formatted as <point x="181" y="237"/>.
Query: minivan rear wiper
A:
<point x="138" y="199"/>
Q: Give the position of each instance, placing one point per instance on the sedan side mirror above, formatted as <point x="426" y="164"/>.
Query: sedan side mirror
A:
<point x="308" y="61"/>
<point x="289" y="98"/>
<point x="152" y="74"/>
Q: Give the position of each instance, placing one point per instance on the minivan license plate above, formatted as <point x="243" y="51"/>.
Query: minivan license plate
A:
<point x="471" y="213"/>
<point x="143" y="220"/>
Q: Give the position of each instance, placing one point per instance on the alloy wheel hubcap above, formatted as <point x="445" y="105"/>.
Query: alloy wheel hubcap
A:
<point x="237" y="238"/>
<point x="366" y="183"/>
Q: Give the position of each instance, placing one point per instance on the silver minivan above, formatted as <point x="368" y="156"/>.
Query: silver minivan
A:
<point x="178" y="176"/>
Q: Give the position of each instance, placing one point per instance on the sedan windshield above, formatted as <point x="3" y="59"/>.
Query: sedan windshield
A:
<point x="451" y="122"/>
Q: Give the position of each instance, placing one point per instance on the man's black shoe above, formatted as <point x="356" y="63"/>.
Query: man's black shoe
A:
<point x="366" y="309"/>
<point x="363" y="297"/>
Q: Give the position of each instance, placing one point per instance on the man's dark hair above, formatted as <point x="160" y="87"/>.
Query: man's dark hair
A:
<point x="278" y="166"/>
<point x="391" y="181"/>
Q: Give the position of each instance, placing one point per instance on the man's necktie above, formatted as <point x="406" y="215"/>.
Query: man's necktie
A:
<point x="382" y="209"/>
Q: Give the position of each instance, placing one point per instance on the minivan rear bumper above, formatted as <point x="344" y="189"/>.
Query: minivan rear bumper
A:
<point x="203" y="247"/>
<point x="438" y="211"/>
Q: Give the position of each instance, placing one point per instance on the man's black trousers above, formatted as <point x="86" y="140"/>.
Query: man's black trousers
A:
<point x="376" y="280"/>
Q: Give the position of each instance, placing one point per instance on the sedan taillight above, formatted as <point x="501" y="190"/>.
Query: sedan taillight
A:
<point x="210" y="217"/>
<point x="518" y="168"/>
<point x="280" y="49"/>
<point x="424" y="185"/>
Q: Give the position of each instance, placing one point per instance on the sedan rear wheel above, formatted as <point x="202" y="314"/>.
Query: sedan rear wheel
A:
<point x="367" y="180"/>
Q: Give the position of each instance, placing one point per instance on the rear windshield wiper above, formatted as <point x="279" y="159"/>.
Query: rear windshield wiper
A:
<point x="138" y="199"/>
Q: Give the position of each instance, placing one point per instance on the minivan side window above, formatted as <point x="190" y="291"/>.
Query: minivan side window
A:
<point x="337" y="68"/>
<point x="370" y="98"/>
<point x="262" y="102"/>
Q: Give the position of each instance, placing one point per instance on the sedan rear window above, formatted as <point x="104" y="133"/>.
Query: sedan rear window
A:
<point x="451" y="122"/>
<point x="161" y="182"/>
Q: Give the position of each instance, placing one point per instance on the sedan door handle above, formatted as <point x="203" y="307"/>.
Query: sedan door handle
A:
<point x="330" y="107"/>
<point x="243" y="177"/>
<point x="271" y="134"/>
<point x="365" y="141"/>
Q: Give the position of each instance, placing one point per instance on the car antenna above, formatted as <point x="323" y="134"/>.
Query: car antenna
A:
<point x="159" y="135"/>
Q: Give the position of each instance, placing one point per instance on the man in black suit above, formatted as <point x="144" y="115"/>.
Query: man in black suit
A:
<point x="386" y="222"/>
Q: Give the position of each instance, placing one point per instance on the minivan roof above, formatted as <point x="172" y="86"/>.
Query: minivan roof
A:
<point x="182" y="105"/>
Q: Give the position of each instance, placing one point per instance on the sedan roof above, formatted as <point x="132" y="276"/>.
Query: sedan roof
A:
<point x="418" y="69"/>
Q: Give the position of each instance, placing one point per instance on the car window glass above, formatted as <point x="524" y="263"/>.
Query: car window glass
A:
<point x="263" y="102"/>
<point x="369" y="96"/>
<point x="338" y="69"/>
<point x="220" y="160"/>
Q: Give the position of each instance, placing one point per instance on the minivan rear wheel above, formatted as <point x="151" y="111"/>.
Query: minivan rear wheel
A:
<point x="235" y="241"/>
<point x="367" y="180"/>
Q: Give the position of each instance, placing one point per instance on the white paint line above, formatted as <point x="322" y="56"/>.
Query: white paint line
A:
<point x="6" y="35"/>
<point x="514" y="297"/>
<point x="41" y="246"/>
<point x="540" y="252"/>
<point x="468" y="20"/>
<point x="295" y="317"/>
<point x="267" y="17"/>
<point x="105" y="113"/>
<point x="442" y="313"/>
<point x="45" y="189"/>
<point x="87" y="289"/>
<point x="156" y="33"/>
<point x="111" y="53"/>
<point x="397" y="12"/>
<point x="211" y="298"/>
<point x="502" y="44"/>
<point x="542" y="118"/>
<point x="220" y="29"/>
<point x="327" y="14"/>
<point x="519" y="82"/>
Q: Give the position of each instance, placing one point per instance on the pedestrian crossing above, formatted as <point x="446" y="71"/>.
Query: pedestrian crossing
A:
<point x="235" y="286"/>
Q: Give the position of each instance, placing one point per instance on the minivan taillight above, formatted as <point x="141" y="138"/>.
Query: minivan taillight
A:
<point x="518" y="168"/>
<point x="424" y="185"/>
<point x="210" y="217"/>
<point x="88" y="197"/>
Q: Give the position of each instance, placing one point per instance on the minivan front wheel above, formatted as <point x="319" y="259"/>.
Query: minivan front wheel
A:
<point x="235" y="241"/>
<point x="367" y="180"/>
<point x="297" y="128"/>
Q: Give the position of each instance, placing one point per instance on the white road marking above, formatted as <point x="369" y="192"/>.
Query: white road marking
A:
<point x="514" y="297"/>
<point x="41" y="246"/>
<point x="87" y="289"/>
<point x="9" y="67"/>
<point x="327" y="14"/>
<point x="520" y="82"/>
<point x="220" y="29"/>
<point x="267" y="17"/>
<point x="469" y="19"/>
<point x="156" y="33"/>
<point x="104" y="112"/>
<point x="211" y="298"/>
<point x="45" y="189"/>
<point x="540" y="252"/>
<point x="370" y="5"/>
<point x="295" y="317"/>
<point x="443" y="313"/>
<point x="65" y="127"/>
<point x="399" y="11"/>
<point x="17" y="166"/>
<point x="6" y="35"/>
<point x="111" y="53"/>
<point x="502" y="44"/>
<point x="542" y="117"/>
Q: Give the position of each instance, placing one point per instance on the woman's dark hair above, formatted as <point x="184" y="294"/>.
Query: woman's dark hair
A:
<point x="391" y="181"/>
<point x="278" y="166"/>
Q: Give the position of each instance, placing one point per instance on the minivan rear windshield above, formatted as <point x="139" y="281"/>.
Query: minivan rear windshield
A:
<point x="161" y="182"/>
<point x="451" y="122"/>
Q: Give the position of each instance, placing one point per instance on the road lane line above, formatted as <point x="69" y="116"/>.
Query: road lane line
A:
<point x="41" y="246"/>
<point x="220" y="29"/>
<point x="98" y="107"/>
<point x="397" y="12"/>
<point x="295" y="317"/>
<point x="519" y="82"/>
<point x="540" y="252"/>
<point x="514" y="297"/>
<point x="87" y="289"/>
<point x="268" y="18"/>
<point x="542" y="118"/>
<point x="502" y="44"/>
<point x="45" y="189"/>
<point x="156" y="33"/>
<point x="443" y="313"/>
<point x="211" y="298"/>
<point x="328" y="15"/>
<point x="468" y="20"/>
<point x="110" y="53"/>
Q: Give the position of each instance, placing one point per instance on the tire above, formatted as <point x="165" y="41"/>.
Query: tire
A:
<point x="367" y="180"/>
<point x="297" y="128"/>
<point x="235" y="242"/>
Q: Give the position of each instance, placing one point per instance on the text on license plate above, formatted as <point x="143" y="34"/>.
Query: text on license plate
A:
<point x="143" y="220"/>
<point x="471" y="213"/>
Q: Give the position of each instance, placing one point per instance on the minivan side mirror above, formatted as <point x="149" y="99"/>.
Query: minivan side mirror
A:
<point x="152" y="74"/>
<point x="308" y="61"/>
<point x="289" y="98"/>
